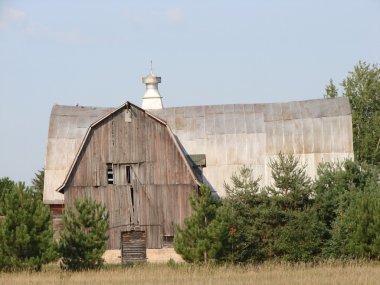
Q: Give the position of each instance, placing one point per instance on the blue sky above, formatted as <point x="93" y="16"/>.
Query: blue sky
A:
<point x="207" y="52"/>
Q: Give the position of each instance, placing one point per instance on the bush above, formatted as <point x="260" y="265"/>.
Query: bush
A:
<point x="348" y="203"/>
<point x="195" y="242"/>
<point x="26" y="238"/>
<point x="295" y="219"/>
<point x="83" y="240"/>
<point x="6" y="186"/>
<point x="248" y="216"/>
<point x="276" y="222"/>
<point x="300" y="239"/>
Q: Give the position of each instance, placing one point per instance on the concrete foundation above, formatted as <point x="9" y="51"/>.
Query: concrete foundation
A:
<point x="153" y="255"/>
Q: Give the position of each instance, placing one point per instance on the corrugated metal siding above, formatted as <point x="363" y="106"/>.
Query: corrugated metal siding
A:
<point x="252" y="134"/>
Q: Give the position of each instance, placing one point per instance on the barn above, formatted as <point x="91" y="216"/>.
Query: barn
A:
<point x="143" y="163"/>
<point x="127" y="159"/>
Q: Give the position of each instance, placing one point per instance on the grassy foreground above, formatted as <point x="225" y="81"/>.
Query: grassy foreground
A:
<point x="157" y="274"/>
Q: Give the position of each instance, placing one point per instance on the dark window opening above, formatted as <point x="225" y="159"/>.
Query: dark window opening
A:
<point x="132" y="198"/>
<point x="128" y="170"/>
<point x="167" y="241"/>
<point x="110" y="173"/>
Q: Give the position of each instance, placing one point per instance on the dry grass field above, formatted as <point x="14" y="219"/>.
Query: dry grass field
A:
<point x="183" y="274"/>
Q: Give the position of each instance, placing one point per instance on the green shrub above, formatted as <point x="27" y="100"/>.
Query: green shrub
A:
<point x="26" y="238"/>
<point x="195" y="242"/>
<point x="83" y="240"/>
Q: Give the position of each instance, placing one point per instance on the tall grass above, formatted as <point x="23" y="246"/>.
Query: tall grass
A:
<point x="183" y="274"/>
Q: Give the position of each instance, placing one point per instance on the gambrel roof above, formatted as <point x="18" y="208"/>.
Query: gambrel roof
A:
<point x="68" y="131"/>
<point x="68" y="126"/>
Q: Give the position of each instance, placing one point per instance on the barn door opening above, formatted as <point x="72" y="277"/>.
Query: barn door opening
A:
<point x="133" y="246"/>
<point x="126" y="175"/>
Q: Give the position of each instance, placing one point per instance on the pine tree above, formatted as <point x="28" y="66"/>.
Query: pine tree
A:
<point x="292" y="186"/>
<point x="194" y="242"/>
<point x="38" y="182"/>
<point x="298" y="237"/>
<point x="26" y="238"/>
<point x="348" y="203"/>
<point x="331" y="90"/>
<point x="250" y="220"/>
<point x="83" y="240"/>
<point x="6" y="185"/>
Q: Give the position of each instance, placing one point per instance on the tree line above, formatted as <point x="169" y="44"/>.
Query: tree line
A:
<point x="26" y="235"/>
<point x="336" y="215"/>
<point x="296" y="219"/>
<point x="362" y="88"/>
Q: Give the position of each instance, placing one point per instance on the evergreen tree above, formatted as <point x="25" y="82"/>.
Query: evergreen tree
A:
<point x="250" y="220"/>
<point x="223" y="234"/>
<point x="348" y="203"/>
<point x="298" y="237"/>
<point x="331" y="90"/>
<point x="6" y="185"/>
<point x="292" y="186"/>
<point x="26" y="238"/>
<point x="334" y="183"/>
<point x="276" y="222"/>
<point x="195" y="242"/>
<point x="38" y="182"/>
<point x="355" y="232"/>
<point x="83" y="239"/>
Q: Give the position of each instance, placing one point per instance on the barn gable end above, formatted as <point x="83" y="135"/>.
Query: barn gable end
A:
<point x="130" y="161"/>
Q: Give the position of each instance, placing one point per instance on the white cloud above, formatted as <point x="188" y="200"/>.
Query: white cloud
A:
<point x="174" y="14"/>
<point x="10" y="16"/>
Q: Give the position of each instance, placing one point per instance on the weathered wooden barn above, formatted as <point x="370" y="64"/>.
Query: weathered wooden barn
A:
<point x="130" y="161"/>
<point x="143" y="164"/>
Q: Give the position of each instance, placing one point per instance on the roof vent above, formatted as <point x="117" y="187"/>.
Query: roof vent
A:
<point x="152" y="99"/>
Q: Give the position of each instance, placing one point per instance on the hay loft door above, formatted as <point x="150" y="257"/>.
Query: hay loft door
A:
<point x="126" y="175"/>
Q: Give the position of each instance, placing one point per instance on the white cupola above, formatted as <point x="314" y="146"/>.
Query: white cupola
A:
<point x="152" y="98"/>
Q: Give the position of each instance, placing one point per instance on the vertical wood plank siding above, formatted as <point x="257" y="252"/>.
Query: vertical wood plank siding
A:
<point x="161" y="180"/>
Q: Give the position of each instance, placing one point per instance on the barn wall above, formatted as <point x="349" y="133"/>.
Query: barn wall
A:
<point x="156" y="197"/>
<point x="252" y="134"/>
